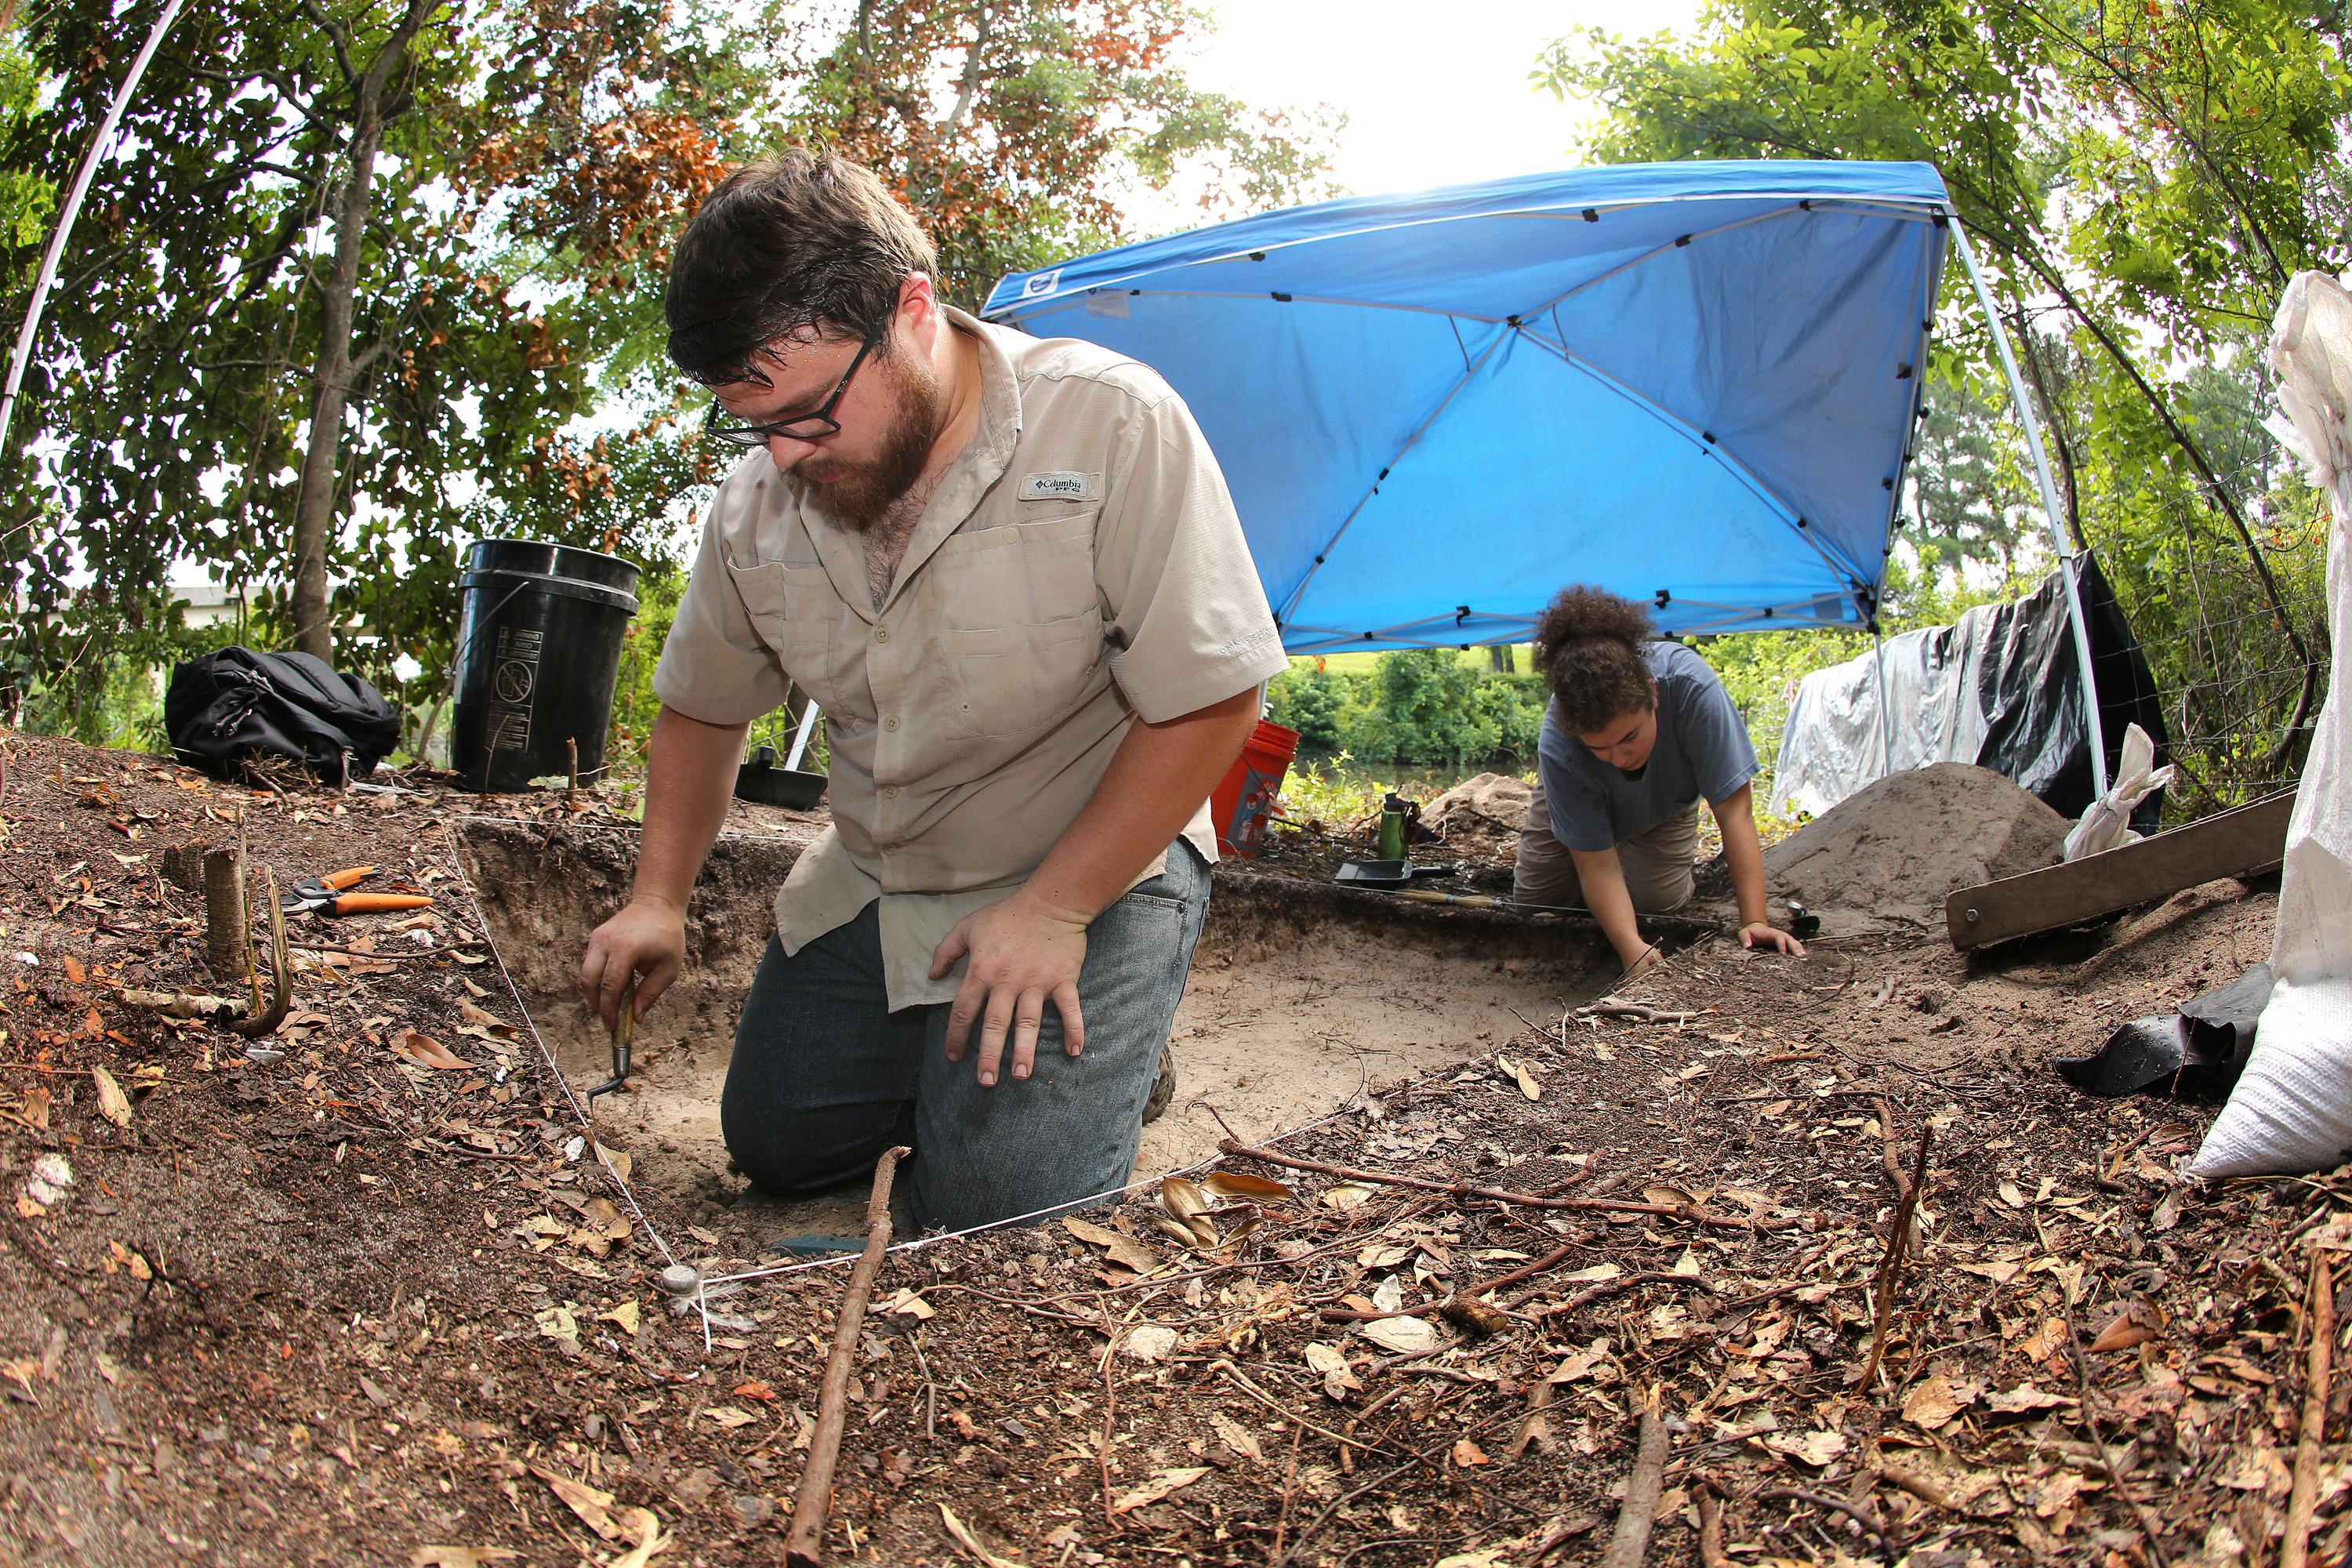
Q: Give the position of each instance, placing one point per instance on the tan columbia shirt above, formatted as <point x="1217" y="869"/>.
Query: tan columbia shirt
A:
<point x="1078" y="567"/>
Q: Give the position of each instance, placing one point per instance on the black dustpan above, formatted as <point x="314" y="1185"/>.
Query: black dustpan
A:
<point x="1387" y="873"/>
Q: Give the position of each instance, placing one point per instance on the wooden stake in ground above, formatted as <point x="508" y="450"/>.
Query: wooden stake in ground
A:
<point x="1631" y="1543"/>
<point x="225" y="932"/>
<point x="804" y="1545"/>
<point x="2319" y="1317"/>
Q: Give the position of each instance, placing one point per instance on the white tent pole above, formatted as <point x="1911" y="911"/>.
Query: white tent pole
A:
<point x="801" y="735"/>
<point x="1886" y="715"/>
<point x="2048" y="508"/>
<point x="72" y="210"/>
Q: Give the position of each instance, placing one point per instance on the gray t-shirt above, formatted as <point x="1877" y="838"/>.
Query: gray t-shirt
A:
<point x="1703" y="754"/>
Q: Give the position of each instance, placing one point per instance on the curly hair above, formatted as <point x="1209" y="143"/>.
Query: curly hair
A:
<point x="1589" y="646"/>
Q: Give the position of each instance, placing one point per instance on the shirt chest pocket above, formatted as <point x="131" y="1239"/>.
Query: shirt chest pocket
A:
<point x="794" y="610"/>
<point x="1021" y="623"/>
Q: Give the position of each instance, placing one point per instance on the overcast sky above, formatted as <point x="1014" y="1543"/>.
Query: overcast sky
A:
<point x="1435" y="91"/>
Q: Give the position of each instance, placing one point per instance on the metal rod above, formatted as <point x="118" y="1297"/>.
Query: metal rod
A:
<point x="47" y="276"/>
<point x="801" y="735"/>
<point x="2049" y="508"/>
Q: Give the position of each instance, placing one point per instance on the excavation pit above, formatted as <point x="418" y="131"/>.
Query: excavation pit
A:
<point x="1301" y="995"/>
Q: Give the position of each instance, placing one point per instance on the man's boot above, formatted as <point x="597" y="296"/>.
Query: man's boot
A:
<point x="1164" y="1089"/>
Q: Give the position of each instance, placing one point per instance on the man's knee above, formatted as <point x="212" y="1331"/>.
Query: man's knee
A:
<point x="790" y="1151"/>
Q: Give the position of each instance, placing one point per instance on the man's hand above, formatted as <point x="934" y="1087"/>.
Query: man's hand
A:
<point x="1644" y="961"/>
<point x="1765" y="934"/>
<point x="647" y="941"/>
<point x="1024" y="953"/>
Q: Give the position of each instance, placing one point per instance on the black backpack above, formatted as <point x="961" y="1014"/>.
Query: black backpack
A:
<point x="226" y="708"/>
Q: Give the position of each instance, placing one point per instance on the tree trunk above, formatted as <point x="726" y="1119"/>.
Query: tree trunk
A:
<point x="331" y="379"/>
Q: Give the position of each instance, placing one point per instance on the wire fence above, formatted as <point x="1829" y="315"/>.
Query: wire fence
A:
<point x="2237" y="654"/>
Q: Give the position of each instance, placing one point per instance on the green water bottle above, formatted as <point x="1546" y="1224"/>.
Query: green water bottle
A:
<point x="1392" y="833"/>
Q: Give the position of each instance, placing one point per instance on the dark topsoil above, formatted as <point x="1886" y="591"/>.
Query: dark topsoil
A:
<point x="344" y="1307"/>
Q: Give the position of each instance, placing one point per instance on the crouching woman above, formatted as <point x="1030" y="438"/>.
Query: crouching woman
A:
<point x="1638" y="733"/>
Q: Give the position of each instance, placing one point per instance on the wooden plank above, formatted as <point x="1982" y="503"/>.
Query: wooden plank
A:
<point x="2229" y="843"/>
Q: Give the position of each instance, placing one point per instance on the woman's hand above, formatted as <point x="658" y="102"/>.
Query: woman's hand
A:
<point x="1765" y="934"/>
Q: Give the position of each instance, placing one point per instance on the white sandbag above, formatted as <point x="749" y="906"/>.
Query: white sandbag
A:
<point x="2106" y="821"/>
<point x="2291" y="1110"/>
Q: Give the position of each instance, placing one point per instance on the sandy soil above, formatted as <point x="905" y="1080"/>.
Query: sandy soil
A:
<point x="1300" y="996"/>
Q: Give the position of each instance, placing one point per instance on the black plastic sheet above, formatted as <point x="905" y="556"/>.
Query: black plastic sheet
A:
<point x="2194" y="1054"/>
<point x="1999" y="688"/>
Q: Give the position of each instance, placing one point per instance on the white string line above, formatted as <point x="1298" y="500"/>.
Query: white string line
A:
<point x="587" y="1126"/>
<point x="922" y="1241"/>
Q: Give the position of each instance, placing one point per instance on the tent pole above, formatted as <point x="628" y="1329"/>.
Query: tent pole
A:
<point x="1885" y="716"/>
<point x="72" y="209"/>
<point x="2048" y="508"/>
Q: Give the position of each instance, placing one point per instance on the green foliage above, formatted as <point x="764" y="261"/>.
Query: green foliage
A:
<point x="1308" y="699"/>
<point x="634" y="706"/>
<point x="2140" y="182"/>
<point x="507" y="377"/>
<point x="1420" y="707"/>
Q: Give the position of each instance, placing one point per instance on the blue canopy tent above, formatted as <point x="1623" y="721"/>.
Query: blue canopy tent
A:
<point x="1691" y="383"/>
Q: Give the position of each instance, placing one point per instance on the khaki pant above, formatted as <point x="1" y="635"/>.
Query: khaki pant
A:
<point x="1659" y="863"/>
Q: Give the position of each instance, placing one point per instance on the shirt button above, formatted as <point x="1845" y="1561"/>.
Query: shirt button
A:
<point x="881" y="634"/>
<point x="889" y="724"/>
<point x="889" y="792"/>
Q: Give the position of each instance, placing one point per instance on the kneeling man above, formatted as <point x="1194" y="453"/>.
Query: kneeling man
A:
<point x="1009" y="571"/>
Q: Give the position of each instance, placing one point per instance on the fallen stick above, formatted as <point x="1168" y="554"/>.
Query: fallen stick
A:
<point x="1898" y="1246"/>
<point x="1710" y="1528"/>
<point x="1861" y="1516"/>
<point x="1234" y="1375"/>
<point x="1631" y="1543"/>
<point x="804" y="1545"/>
<point x="1556" y="1257"/>
<point x="1619" y="1286"/>
<point x="1632" y="1012"/>
<point x="1887" y="1153"/>
<point x="2320" y="1317"/>
<point x="2149" y="1527"/>
<point x="363" y="952"/>
<point x="1465" y="1191"/>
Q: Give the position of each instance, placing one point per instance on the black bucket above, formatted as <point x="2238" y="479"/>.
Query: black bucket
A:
<point x="539" y="649"/>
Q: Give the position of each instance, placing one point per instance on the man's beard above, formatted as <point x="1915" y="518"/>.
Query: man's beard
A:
<point x="859" y="495"/>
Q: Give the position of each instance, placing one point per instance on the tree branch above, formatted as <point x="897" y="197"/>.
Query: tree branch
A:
<point x="336" y="35"/>
<point x="2056" y="283"/>
<point x="2054" y="419"/>
<point x="970" y="86"/>
<point x="2171" y="122"/>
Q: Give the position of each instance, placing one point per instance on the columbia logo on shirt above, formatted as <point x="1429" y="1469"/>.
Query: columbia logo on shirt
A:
<point x="1057" y="487"/>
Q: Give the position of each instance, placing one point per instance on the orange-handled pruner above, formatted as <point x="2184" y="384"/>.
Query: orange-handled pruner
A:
<point x="325" y="895"/>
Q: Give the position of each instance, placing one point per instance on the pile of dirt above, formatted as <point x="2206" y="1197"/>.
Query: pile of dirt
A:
<point x="1481" y="816"/>
<point x="1897" y="849"/>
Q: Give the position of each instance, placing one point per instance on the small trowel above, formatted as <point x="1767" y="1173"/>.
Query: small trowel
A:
<point x="624" y="1025"/>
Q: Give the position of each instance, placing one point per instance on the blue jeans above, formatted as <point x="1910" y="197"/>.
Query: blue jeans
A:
<point x="825" y="1077"/>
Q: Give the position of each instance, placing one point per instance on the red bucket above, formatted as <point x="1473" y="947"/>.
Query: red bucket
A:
<point x="1244" y="803"/>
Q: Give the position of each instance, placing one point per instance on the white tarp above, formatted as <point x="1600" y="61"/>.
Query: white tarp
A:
<point x="2291" y="1110"/>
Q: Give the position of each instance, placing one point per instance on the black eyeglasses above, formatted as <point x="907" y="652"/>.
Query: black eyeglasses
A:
<point x="814" y="426"/>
